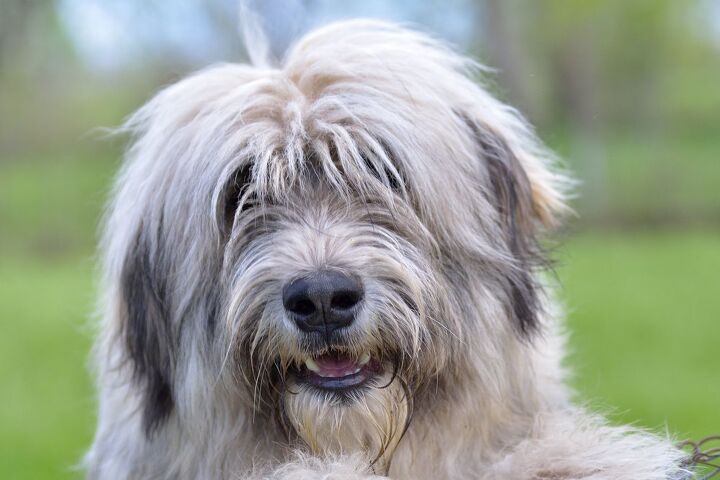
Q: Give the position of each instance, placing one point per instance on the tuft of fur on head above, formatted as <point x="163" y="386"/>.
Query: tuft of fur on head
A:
<point x="371" y="150"/>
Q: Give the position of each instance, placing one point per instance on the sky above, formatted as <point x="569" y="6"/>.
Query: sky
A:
<point x="110" y="35"/>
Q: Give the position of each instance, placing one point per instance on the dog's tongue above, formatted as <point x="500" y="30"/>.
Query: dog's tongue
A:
<point x="334" y="365"/>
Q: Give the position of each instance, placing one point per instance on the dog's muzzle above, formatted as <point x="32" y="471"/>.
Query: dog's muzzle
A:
<point x="322" y="303"/>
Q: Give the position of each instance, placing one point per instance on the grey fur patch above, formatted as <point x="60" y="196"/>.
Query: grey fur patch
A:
<point x="512" y="197"/>
<point x="147" y="331"/>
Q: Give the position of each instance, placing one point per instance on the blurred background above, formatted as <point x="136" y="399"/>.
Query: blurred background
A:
<point x="628" y="92"/>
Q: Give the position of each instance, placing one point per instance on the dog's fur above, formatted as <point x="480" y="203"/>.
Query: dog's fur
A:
<point x="371" y="150"/>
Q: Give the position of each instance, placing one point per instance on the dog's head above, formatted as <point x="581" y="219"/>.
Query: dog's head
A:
<point x="328" y="243"/>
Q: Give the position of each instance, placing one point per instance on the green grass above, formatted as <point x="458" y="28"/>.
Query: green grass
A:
<point x="644" y="312"/>
<point x="643" y="309"/>
<point x="48" y="407"/>
<point x="49" y="206"/>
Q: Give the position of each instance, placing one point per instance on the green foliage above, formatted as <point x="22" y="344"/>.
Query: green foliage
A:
<point x="613" y="64"/>
<point x="49" y="206"/>
<point x="646" y="179"/>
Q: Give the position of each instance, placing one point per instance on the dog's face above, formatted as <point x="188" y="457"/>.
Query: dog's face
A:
<point x="330" y="244"/>
<point x="335" y="304"/>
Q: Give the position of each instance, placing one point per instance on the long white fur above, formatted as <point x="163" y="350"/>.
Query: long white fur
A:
<point x="490" y="404"/>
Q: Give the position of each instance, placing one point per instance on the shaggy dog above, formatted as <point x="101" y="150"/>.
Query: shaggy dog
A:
<point x="332" y="270"/>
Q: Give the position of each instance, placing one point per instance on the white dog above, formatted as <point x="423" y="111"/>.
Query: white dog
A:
<point x="332" y="270"/>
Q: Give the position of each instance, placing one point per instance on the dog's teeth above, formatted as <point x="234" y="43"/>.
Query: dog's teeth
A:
<point x="311" y="365"/>
<point x="364" y="359"/>
<point x="355" y="371"/>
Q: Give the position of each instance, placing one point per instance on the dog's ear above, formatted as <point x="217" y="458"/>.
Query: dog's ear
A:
<point x="517" y="161"/>
<point x="527" y="201"/>
<point x="146" y="328"/>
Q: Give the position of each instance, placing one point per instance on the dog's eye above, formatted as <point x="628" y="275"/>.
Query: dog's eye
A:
<point x="238" y="195"/>
<point x="387" y="176"/>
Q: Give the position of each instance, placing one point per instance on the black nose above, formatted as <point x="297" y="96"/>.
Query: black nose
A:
<point x="323" y="301"/>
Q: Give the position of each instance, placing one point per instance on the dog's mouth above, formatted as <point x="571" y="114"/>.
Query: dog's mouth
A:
<point x="337" y="372"/>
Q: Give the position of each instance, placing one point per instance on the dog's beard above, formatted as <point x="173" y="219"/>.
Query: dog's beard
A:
<point x="371" y="420"/>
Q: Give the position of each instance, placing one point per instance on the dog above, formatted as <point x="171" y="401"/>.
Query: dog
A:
<point x="334" y="269"/>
